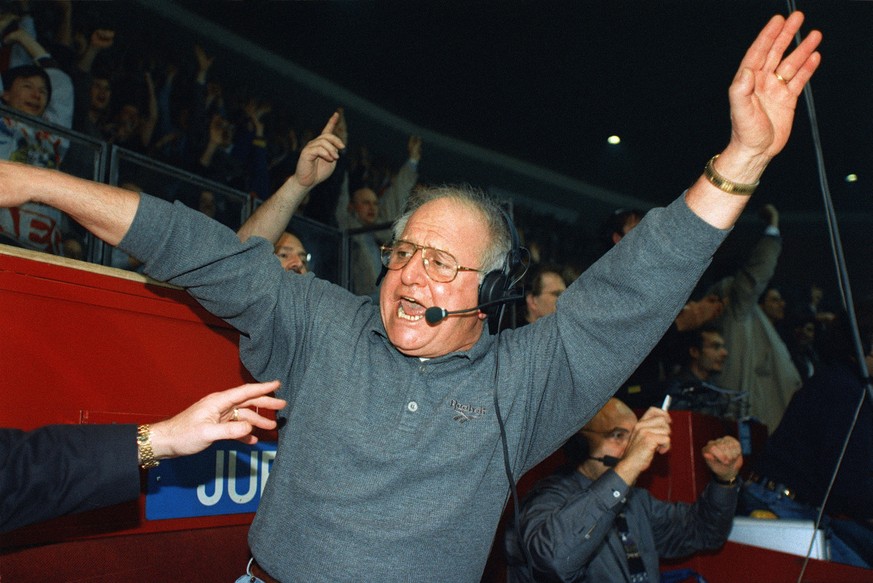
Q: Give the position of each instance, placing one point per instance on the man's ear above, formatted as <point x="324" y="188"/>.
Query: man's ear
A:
<point x="616" y="238"/>
<point x="694" y="352"/>
<point x="530" y="302"/>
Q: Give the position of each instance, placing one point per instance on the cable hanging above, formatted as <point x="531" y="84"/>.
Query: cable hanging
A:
<point x="845" y="290"/>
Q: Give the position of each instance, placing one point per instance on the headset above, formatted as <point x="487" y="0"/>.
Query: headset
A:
<point x="497" y="285"/>
<point x="576" y="449"/>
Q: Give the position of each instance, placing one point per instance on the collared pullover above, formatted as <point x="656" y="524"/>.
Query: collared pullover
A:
<point x="390" y="468"/>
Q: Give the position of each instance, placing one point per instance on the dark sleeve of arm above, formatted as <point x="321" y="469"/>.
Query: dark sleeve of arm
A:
<point x="82" y="95"/>
<point x="165" y="116"/>
<point x="252" y="158"/>
<point x="564" y="526"/>
<point x="198" y="124"/>
<point x="682" y="529"/>
<point x="60" y="469"/>
<point x="259" y="173"/>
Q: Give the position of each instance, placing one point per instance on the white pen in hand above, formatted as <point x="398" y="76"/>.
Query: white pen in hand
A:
<point x="666" y="404"/>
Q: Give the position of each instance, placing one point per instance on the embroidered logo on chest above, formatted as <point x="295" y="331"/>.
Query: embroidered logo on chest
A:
<point x="464" y="413"/>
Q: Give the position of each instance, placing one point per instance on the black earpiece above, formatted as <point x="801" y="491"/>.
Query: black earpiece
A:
<point x="497" y="284"/>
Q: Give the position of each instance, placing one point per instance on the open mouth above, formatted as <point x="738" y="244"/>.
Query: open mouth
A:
<point x="410" y="310"/>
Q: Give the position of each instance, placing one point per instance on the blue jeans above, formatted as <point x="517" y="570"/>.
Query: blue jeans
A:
<point x="837" y="531"/>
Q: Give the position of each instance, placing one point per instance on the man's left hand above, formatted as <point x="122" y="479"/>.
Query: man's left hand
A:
<point x="724" y="456"/>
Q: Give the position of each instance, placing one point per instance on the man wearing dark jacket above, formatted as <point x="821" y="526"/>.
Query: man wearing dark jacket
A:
<point x="590" y="524"/>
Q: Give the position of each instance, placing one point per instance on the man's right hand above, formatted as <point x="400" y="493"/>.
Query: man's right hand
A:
<point x="651" y="434"/>
<point x="341" y="128"/>
<point x="13" y="178"/>
<point x="318" y="158"/>
<point x="107" y="211"/>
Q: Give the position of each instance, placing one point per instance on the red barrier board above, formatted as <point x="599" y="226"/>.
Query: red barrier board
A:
<point x="88" y="344"/>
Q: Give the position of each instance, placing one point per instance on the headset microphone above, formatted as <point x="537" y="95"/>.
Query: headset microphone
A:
<point x="607" y="460"/>
<point x="436" y="314"/>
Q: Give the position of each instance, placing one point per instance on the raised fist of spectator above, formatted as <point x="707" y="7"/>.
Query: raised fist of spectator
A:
<point x="255" y="111"/>
<point x="102" y="39"/>
<point x="696" y="314"/>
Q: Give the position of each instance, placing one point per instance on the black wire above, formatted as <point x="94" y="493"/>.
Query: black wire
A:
<point x="844" y="287"/>
<point x="507" y="466"/>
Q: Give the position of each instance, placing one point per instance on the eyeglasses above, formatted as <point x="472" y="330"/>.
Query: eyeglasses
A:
<point x="305" y="258"/>
<point x="617" y="435"/>
<point x="440" y="266"/>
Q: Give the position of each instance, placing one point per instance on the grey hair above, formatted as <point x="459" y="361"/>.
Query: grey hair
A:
<point x="496" y="226"/>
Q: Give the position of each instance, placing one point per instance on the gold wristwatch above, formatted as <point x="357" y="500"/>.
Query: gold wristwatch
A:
<point x="144" y="446"/>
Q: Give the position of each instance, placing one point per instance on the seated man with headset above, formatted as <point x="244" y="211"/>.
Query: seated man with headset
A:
<point x="591" y="524"/>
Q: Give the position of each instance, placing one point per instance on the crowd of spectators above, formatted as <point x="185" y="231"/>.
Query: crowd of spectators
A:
<point x="175" y="105"/>
<point x="77" y="66"/>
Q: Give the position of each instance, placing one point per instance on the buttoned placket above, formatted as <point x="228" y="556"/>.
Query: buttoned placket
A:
<point x="412" y="413"/>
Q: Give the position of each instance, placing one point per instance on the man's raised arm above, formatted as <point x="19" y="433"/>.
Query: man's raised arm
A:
<point x="106" y="211"/>
<point x="316" y="163"/>
<point x="763" y="97"/>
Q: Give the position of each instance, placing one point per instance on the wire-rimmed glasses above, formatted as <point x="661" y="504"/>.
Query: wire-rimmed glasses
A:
<point x="440" y="266"/>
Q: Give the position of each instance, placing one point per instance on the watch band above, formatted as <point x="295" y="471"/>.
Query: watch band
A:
<point x="144" y="446"/>
<point x="732" y="482"/>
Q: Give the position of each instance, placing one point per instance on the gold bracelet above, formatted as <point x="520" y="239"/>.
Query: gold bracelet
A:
<point x="724" y="184"/>
<point x="144" y="446"/>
